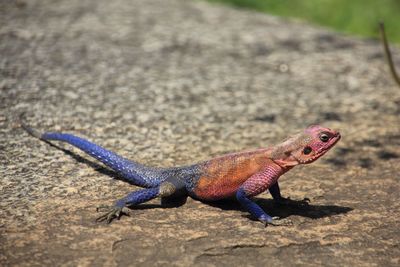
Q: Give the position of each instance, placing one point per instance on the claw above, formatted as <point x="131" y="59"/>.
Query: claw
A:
<point x="103" y="207"/>
<point x="276" y="221"/>
<point x="287" y="201"/>
<point x="112" y="213"/>
<point x="304" y="202"/>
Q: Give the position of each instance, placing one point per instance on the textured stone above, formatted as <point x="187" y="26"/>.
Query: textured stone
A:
<point x="174" y="82"/>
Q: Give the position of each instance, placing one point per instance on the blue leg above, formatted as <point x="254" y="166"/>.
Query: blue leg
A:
<point x="132" y="171"/>
<point x="137" y="197"/>
<point x="256" y="211"/>
<point x="166" y="189"/>
<point x="252" y="207"/>
<point x="133" y="198"/>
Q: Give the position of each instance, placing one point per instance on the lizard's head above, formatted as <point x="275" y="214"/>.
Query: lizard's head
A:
<point x="315" y="142"/>
<point x="306" y="147"/>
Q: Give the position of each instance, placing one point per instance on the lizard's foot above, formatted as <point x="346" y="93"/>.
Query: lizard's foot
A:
<point x="275" y="221"/>
<point x="289" y="202"/>
<point x="111" y="213"/>
<point x="103" y="208"/>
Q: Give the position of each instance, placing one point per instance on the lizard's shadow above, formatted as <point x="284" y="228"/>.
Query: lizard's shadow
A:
<point x="96" y="166"/>
<point x="283" y="211"/>
<point x="268" y="205"/>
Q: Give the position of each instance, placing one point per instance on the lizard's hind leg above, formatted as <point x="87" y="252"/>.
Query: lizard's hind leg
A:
<point x="166" y="189"/>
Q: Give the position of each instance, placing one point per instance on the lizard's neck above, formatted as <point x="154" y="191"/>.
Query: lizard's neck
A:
<point x="282" y="154"/>
<point x="286" y="164"/>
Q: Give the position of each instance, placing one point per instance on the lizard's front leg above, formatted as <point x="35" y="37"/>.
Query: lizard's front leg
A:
<point x="276" y="195"/>
<point x="255" y="185"/>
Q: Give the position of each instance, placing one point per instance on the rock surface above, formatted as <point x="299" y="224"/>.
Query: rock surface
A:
<point x="174" y="82"/>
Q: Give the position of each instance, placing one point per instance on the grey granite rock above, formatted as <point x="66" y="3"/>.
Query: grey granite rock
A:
<point x="174" y="82"/>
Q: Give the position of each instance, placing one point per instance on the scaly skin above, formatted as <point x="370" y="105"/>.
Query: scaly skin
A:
<point x="241" y="175"/>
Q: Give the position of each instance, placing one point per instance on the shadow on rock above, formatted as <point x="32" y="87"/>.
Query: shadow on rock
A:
<point x="285" y="210"/>
<point x="96" y="166"/>
<point x="166" y="203"/>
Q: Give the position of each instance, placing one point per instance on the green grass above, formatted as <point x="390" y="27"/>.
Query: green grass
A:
<point x="357" y="17"/>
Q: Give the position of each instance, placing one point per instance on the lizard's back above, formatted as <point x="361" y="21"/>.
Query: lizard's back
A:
<point x="220" y="177"/>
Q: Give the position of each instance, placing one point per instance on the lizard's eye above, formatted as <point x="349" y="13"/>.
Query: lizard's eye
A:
<point x="324" y="137"/>
<point x="307" y="150"/>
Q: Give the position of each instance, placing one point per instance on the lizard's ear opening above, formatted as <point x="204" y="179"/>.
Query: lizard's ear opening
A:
<point x="307" y="150"/>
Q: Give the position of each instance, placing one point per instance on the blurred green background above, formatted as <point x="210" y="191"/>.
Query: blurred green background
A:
<point x="357" y="17"/>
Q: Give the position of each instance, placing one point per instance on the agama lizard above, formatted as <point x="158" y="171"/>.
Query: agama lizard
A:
<point x="241" y="175"/>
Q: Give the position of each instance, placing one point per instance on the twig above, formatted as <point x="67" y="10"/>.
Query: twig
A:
<point x="388" y="54"/>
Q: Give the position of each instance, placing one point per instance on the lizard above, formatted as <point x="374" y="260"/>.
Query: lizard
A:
<point x="240" y="175"/>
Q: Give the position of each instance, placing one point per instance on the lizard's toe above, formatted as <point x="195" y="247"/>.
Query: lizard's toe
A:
<point x="276" y="221"/>
<point x="265" y="219"/>
<point x="306" y="201"/>
<point x="111" y="214"/>
<point x="290" y="202"/>
<point x="103" y="208"/>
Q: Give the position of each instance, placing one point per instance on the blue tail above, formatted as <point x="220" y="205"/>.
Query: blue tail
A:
<point x="132" y="171"/>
